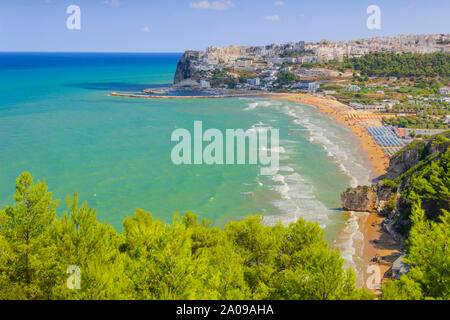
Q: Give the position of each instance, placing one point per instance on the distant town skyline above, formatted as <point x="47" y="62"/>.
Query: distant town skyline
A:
<point x="179" y="25"/>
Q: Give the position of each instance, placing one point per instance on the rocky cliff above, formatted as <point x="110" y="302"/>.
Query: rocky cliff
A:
<point x="185" y="69"/>
<point x="390" y="195"/>
<point x="368" y="198"/>
<point x="411" y="156"/>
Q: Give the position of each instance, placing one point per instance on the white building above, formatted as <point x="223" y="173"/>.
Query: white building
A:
<point x="244" y="63"/>
<point x="313" y="87"/>
<point x="255" y="81"/>
<point x="205" y="84"/>
<point x="353" y="88"/>
<point x="310" y="86"/>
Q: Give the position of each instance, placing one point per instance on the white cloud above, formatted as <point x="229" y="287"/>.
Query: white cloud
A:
<point x="279" y="3"/>
<point x="220" y="5"/>
<point x="273" y="18"/>
<point x="146" y="29"/>
<point x="114" y="3"/>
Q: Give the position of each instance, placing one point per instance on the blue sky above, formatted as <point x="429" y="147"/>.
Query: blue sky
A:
<point x="178" y="25"/>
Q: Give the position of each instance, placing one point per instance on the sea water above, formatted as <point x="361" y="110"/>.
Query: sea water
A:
<point x="58" y="122"/>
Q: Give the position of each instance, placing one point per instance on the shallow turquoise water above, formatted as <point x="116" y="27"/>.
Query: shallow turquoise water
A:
<point x="57" y="122"/>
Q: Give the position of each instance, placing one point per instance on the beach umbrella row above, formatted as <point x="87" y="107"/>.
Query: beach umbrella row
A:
<point x="385" y="136"/>
<point x="364" y="116"/>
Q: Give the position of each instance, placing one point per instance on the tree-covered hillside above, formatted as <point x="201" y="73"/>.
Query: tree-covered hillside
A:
<point x="187" y="259"/>
<point x="429" y="257"/>
<point x="402" y="65"/>
<point x="422" y="214"/>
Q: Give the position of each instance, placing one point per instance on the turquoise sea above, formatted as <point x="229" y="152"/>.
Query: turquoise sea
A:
<point x="57" y="121"/>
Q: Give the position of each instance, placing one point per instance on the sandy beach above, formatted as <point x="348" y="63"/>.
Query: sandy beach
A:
<point x="378" y="159"/>
<point x="377" y="242"/>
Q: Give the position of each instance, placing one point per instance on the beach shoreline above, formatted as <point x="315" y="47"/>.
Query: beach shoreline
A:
<point x="338" y="111"/>
<point x="375" y="241"/>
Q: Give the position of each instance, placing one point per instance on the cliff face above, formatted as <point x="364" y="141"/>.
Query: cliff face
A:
<point x="389" y="197"/>
<point x="185" y="66"/>
<point x="367" y="198"/>
<point x="412" y="155"/>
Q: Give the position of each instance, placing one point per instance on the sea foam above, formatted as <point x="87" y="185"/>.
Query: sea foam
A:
<point x="334" y="145"/>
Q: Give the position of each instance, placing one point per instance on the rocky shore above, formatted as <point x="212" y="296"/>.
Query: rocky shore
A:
<point x="383" y="196"/>
<point x="387" y="225"/>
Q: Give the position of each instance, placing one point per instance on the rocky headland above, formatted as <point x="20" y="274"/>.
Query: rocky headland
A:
<point x="388" y="197"/>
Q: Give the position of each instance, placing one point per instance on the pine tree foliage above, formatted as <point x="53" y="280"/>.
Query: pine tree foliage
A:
<point x="45" y="257"/>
